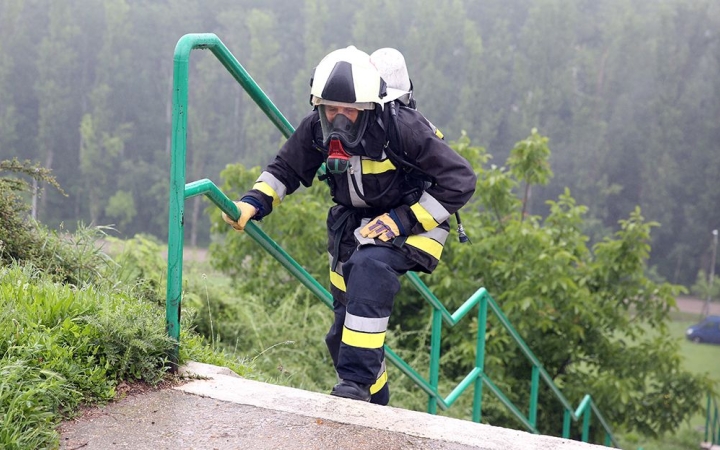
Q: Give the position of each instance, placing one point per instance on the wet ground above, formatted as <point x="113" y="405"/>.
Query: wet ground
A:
<point x="223" y="411"/>
<point x="172" y="419"/>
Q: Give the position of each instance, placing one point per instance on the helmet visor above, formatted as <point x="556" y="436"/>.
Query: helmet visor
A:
<point x="346" y="124"/>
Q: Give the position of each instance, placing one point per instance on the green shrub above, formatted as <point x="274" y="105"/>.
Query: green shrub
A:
<point x="69" y="258"/>
<point x="139" y="262"/>
<point x="73" y="322"/>
<point x="71" y="346"/>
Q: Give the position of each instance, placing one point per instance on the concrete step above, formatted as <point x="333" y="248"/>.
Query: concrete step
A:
<point x="398" y="424"/>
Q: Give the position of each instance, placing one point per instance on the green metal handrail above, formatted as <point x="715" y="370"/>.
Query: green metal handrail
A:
<point x="180" y="191"/>
<point x="181" y="74"/>
<point x="712" y="421"/>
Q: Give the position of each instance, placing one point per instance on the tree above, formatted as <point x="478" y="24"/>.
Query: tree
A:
<point x="263" y="64"/>
<point x="586" y="312"/>
<point x="56" y="89"/>
<point x="8" y="124"/>
<point x="625" y="88"/>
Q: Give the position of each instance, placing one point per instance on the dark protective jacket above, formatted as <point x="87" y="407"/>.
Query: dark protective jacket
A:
<point x="379" y="186"/>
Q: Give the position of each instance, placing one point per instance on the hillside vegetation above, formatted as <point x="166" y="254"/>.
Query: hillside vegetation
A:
<point x="74" y="323"/>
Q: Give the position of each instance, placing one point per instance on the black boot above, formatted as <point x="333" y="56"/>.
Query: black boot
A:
<point x="351" y="389"/>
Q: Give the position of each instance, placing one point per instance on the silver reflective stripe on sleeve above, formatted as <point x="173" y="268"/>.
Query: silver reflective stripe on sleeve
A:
<point x="366" y="324"/>
<point x="437" y="234"/>
<point x="434" y="207"/>
<point x="429" y="212"/>
<point x="274" y="183"/>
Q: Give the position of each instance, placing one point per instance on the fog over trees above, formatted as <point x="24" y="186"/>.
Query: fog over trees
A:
<point x="627" y="91"/>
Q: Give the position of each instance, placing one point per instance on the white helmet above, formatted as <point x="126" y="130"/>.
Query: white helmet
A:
<point x="391" y="65"/>
<point x="346" y="78"/>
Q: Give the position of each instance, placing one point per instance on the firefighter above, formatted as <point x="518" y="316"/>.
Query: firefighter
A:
<point x="387" y="219"/>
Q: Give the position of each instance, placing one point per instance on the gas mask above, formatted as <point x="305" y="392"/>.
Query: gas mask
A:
<point x="340" y="134"/>
<point x="342" y="128"/>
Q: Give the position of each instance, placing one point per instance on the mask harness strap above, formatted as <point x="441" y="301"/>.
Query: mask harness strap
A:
<point x="412" y="168"/>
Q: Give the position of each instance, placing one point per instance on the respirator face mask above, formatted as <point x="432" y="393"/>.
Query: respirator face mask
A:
<point x="340" y="134"/>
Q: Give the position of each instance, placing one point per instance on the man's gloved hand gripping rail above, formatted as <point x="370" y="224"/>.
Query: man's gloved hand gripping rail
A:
<point x="244" y="211"/>
<point x="238" y="215"/>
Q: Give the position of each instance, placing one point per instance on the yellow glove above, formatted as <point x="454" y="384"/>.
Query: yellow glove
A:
<point x="382" y="227"/>
<point x="247" y="212"/>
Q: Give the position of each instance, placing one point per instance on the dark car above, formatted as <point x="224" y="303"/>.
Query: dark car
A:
<point x="708" y="330"/>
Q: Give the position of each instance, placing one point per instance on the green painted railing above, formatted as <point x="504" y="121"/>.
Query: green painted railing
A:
<point x="712" y="421"/>
<point x="180" y="191"/>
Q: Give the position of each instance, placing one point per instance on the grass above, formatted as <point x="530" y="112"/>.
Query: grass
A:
<point x="697" y="358"/>
<point x="64" y="346"/>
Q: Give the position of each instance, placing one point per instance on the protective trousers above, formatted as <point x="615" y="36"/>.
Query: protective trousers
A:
<point x="357" y="336"/>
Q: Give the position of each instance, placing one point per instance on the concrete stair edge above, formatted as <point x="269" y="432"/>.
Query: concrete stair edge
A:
<point x="222" y="384"/>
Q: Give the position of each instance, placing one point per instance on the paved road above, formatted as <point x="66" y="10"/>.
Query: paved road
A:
<point x="695" y="305"/>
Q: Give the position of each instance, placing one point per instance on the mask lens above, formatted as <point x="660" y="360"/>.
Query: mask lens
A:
<point x="342" y="128"/>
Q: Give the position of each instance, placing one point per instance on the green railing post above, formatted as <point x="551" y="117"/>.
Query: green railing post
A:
<point x="707" y="419"/>
<point x="178" y="155"/>
<point x="716" y="427"/>
<point x="434" y="376"/>
<point x="480" y="356"/>
<point x="586" y="425"/>
<point x="177" y="192"/>
<point x="534" y="391"/>
<point x="566" y="424"/>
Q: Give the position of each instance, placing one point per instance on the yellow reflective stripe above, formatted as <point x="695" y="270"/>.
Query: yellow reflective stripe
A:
<point x="362" y="340"/>
<point x="423" y="216"/>
<point x="439" y="134"/>
<point x="430" y="246"/>
<point x="337" y="280"/>
<point x="379" y="383"/>
<point x="370" y="167"/>
<point x="434" y="207"/>
<point x="274" y="183"/>
<point x="269" y="191"/>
